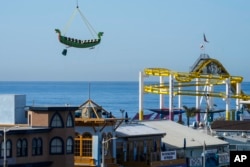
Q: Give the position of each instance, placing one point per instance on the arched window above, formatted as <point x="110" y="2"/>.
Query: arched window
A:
<point x="56" y="121"/>
<point x="34" y="146"/>
<point x="70" y="122"/>
<point x="69" y="146"/>
<point x="37" y="146"/>
<point x="22" y="148"/>
<point x="19" y="148"/>
<point x="8" y="149"/>
<point x="56" y="146"/>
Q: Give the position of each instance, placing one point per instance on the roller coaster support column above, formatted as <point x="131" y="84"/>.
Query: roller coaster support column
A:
<point x="171" y="95"/>
<point x="211" y="99"/>
<point x="227" y="99"/>
<point x="179" y="101"/>
<point x="161" y="95"/>
<point x="141" y="95"/>
<point x="198" y="117"/>
<point x="238" y="91"/>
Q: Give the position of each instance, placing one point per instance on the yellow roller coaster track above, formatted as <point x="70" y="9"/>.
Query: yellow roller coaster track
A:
<point x="208" y="71"/>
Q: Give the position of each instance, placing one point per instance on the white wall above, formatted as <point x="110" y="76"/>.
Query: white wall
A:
<point x="12" y="109"/>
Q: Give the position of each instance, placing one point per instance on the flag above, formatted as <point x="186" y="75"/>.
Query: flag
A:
<point x="204" y="38"/>
<point x="202" y="47"/>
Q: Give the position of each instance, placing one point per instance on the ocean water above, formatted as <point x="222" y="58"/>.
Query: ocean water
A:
<point x="112" y="96"/>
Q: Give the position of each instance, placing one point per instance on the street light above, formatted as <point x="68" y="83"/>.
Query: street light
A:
<point x="5" y="162"/>
<point x="122" y="111"/>
<point x="103" y="142"/>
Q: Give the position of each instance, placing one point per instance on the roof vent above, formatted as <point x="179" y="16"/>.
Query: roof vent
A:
<point x="225" y="134"/>
<point x="243" y="134"/>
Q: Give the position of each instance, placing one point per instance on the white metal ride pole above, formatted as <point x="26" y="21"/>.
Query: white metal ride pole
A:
<point x="171" y="94"/>
<point x="211" y="98"/>
<point x="198" y="117"/>
<point x="238" y="91"/>
<point x="102" y="165"/>
<point x="179" y="97"/>
<point x="141" y="95"/>
<point x="161" y="95"/>
<point x="227" y="99"/>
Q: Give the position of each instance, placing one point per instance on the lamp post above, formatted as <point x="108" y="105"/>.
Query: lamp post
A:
<point x="103" y="142"/>
<point x="122" y="111"/>
<point x="5" y="162"/>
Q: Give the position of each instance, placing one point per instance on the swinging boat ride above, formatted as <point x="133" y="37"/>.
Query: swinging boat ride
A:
<point x="77" y="43"/>
<point x="80" y="43"/>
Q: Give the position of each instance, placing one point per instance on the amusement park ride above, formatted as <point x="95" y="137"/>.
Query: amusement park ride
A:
<point x="79" y="43"/>
<point x="204" y="76"/>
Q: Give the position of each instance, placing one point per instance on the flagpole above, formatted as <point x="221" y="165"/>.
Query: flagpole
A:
<point x="204" y="43"/>
<point x="204" y="155"/>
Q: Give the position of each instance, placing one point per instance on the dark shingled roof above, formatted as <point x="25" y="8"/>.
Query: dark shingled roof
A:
<point x="231" y="125"/>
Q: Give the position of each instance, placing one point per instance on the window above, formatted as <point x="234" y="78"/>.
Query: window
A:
<point x="37" y="146"/>
<point x="56" y="146"/>
<point x="86" y="145"/>
<point x="69" y="146"/>
<point x="56" y="121"/>
<point x="77" y="147"/>
<point x="69" y="121"/>
<point x="8" y="148"/>
<point x="22" y="148"/>
<point x="83" y="145"/>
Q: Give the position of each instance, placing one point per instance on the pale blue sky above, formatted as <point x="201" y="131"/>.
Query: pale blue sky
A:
<point x="138" y="34"/>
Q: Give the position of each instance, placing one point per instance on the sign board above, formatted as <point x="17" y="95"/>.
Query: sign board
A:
<point x="168" y="155"/>
<point x="196" y="161"/>
<point x="224" y="158"/>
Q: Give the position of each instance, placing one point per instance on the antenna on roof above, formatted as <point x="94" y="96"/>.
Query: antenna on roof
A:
<point x="89" y="90"/>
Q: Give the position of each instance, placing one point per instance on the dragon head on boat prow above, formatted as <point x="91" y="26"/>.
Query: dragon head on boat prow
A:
<point x="58" y="31"/>
<point x="100" y="34"/>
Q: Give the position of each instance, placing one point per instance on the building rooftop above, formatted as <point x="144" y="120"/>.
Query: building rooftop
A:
<point x="177" y="132"/>
<point x="20" y="129"/>
<point x="52" y="108"/>
<point x="134" y="130"/>
<point x="222" y="125"/>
